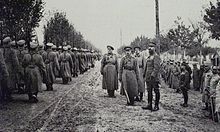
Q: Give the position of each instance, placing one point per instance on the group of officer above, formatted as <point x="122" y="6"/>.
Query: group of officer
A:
<point x="24" y="67"/>
<point x="133" y="71"/>
<point x="205" y="79"/>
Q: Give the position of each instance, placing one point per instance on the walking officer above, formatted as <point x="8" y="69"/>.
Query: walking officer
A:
<point x="109" y="71"/>
<point x="129" y="75"/>
<point x="151" y="75"/>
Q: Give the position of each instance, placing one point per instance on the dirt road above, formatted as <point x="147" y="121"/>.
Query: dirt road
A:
<point x="83" y="106"/>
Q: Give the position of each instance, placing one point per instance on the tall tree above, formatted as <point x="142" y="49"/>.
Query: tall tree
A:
<point x="20" y="17"/>
<point x="212" y="18"/>
<point x="57" y="29"/>
<point x="60" y="31"/>
<point x="181" y="35"/>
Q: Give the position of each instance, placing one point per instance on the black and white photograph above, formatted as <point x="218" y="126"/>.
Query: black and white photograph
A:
<point x="109" y="65"/>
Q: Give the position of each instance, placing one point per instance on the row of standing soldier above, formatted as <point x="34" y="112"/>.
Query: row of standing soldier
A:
<point x="205" y="79"/>
<point x="133" y="72"/>
<point x="24" y="70"/>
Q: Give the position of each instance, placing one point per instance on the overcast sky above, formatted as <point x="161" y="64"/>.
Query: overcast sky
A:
<point x="100" y="21"/>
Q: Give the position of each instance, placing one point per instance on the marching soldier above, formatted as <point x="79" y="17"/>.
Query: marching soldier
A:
<point x="73" y="59"/>
<point x="151" y="75"/>
<point x="109" y="71"/>
<point x="51" y="61"/>
<point x="12" y="64"/>
<point x="55" y="68"/>
<point x="82" y="65"/>
<point x="66" y="65"/>
<point x="20" y="53"/>
<point x="129" y="75"/>
<point x="141" y="63"/>
<point x="76" y="69"/>
<point x="3" y="77"/>
<point x="34" y="66"/>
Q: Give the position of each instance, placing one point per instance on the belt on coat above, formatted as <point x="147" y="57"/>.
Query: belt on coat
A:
<point x="129" y="69"/>
<point x="141" y="67"/>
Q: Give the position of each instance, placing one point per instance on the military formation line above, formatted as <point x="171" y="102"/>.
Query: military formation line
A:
<point x="24" y="70"/>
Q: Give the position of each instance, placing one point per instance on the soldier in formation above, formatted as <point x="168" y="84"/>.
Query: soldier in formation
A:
<point x="24" y="67"/>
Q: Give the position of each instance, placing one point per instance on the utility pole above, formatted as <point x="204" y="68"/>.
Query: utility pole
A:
<point x="157" y="26"/>
<point x="121" y="43"/>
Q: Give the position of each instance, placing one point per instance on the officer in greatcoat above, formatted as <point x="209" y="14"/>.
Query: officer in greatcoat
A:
<point x="129" y="75"/>
<point x="151" y="75"/>
<point x="109" y="71"/>
<point x="141" y="64"/>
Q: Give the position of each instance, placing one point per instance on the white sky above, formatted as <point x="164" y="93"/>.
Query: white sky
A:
<point x="100" y="21"/>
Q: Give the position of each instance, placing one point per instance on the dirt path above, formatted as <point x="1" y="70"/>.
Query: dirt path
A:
<point x="82" y="106"/>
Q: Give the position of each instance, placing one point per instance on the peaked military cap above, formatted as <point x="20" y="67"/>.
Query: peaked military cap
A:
<point x="33" y="45"/>
<point x="12" y="43"/>
<point x="126" y="48"/>
<point x="49" y="44"/>
<point x="152" y="44"/>
<point x="7" y="40"/>
<point x="110" y="47"/>
<point x="21" y="42"/>
<point x="137" y="47"/>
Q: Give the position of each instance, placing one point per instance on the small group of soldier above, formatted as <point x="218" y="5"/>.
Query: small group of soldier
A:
<point x="205" y="79"/>
<point x="177" y="76"/>
<point x="133" y="71"/>
<point x="24" y="68"/>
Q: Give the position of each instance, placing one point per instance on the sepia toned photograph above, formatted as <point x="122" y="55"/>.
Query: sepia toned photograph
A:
<point x="109" y="65"/>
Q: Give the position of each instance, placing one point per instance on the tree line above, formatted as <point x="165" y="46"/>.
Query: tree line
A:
<point x="192" y="38"/>
<point x="19" y="18"/>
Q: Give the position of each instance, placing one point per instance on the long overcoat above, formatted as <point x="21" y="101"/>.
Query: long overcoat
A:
<point x="109" y="70"/>
<point x="51" y="61"/>
<point x="66" y="64"/>
<point x="34" y="66"/>
<point x="129" y="74"/>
